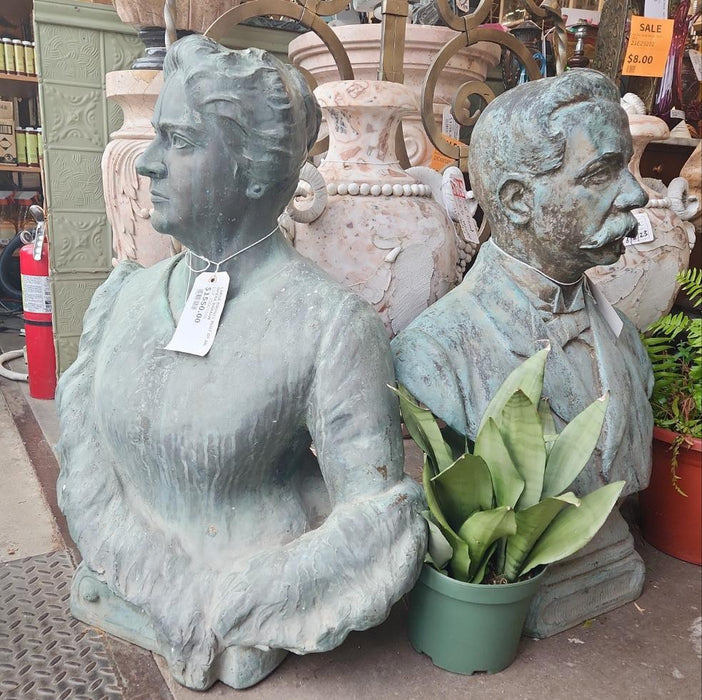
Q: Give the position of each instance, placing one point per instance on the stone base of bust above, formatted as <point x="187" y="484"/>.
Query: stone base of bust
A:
<point x="95" y="604"/>
<point x="604" y="575"/>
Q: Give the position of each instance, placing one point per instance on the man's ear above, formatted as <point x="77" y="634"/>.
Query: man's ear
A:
<point x="517" y="200"/>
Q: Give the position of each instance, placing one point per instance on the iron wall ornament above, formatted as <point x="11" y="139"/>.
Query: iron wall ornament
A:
<point x="310" y="14"/>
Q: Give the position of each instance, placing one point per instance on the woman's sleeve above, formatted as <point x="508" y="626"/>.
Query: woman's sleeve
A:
<point x="345" y="575"/>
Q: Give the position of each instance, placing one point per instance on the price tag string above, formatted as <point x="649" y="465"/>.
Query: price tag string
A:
<point x="189" y="256"/>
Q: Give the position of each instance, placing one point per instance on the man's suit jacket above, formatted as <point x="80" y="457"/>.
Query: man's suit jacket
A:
<point x="455" y="355"/>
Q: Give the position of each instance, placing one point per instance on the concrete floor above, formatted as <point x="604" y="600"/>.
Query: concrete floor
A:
<point x="647" y="649"/>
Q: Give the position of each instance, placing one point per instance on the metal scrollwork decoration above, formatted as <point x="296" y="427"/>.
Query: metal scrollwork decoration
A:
<point x="310" y="14"/>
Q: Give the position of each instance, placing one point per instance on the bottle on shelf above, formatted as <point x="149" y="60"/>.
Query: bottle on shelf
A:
<point x="9" y="53"/>
<point x="18" y="50"/>
<point x="29" y="62"/>
<point x="21" y="138"/>
<point x="32" y="145"/>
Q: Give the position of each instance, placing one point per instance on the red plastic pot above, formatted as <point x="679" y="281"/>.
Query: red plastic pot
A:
<point x="670" y="521"/>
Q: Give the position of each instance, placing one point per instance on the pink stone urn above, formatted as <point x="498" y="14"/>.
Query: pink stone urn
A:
<point x="422" y="43"/>
<point x="381" y="234"/>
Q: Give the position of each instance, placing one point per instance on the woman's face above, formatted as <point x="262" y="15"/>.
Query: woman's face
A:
<point x="197" y="186"/>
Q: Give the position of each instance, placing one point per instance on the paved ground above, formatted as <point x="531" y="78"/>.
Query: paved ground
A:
<point x="648" y="649"/>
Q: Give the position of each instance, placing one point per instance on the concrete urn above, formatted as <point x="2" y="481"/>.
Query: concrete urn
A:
<point x="381" y="233"/>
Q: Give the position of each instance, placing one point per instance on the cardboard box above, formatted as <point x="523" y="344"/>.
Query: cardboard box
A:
<point x="8" y="142"/>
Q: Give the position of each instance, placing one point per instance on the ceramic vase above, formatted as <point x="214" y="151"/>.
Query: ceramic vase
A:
<point x="127" y="198"/>
<point x="642" y="282"/>
<point x="468" y="627"/>
<point x="381" y="234"/>
<point x="422" y="43"/>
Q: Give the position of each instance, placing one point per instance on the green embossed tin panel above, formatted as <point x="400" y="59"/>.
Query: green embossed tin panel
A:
<point x="77" y="43"/>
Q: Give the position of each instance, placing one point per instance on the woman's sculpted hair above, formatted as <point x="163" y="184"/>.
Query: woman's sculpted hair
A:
<point x="269" y="113"/>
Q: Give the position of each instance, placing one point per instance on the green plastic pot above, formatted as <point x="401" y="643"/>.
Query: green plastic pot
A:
<point x="467" y="627"/>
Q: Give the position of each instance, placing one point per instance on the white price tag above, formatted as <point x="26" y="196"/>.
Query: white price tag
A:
<point x="199" y="321"/>
<point x="468" y="224"/>
<point x="449" y="125"/>
<point x="606" y="309"/>
<point x="645" y="232"/>
<point x="696" y="60"/>
<point x="657" y="9"/>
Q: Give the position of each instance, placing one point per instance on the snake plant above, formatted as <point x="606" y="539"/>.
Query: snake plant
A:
<point x="498" y="513"/>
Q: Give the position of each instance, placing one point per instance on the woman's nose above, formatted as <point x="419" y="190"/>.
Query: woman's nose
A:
<point x="632" y="195"/>
<point x="150" y="163"/>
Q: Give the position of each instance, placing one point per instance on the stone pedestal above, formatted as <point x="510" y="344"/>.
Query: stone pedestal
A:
<point x="605" y="574"/>
<point x="127" y="198"/>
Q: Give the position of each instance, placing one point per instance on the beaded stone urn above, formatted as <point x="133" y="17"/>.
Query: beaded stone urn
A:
<point x="381" y="234"/>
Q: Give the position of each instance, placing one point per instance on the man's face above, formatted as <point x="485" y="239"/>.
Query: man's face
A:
<point x="192" y="168"/>
<point x="581" y="212"/>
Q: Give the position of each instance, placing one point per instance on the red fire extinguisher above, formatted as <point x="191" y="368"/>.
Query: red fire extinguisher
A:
<point x="36" y="302"/>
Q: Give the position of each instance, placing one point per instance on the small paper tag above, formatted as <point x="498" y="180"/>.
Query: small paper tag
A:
<point x="656" y="9"/>
<point x="438" y="160"/>
<point x="606" y="309"/>
<point x="199" y="321"/>
<point x="696" y="61"/>
<point x="466" y="220"/>
<point x="644" y="233"/>
<point x="449" y="125"/>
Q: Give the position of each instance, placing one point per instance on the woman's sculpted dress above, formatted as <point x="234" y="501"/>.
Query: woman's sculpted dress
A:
<point x="231" y="507"/>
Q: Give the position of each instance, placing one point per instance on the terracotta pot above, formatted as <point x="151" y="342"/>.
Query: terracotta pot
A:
<point x="422" y="43"/>
<point x="670" y="521"/>
<point x="381" y="234"/>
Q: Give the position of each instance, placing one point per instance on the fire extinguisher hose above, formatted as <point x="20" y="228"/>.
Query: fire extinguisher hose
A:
<point x="8" y="373"/>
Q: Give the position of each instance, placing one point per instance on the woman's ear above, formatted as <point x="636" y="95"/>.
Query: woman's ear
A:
<point x="517" y="200"/>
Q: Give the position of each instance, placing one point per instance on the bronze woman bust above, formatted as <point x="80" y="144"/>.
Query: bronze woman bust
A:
<point x="232" y="507"/>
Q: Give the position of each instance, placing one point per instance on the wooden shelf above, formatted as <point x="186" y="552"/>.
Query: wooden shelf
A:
<point x="20" y="168"/>
<point x="19" y="78"/>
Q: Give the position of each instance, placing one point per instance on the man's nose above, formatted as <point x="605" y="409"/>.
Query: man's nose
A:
<point x="631" y="195"/>
<point x="150" y="163"/>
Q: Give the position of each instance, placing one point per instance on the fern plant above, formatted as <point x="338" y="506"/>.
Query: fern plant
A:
<point x="674" y="345"/>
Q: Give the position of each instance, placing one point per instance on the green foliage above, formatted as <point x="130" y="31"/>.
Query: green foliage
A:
<point x="500" y="512"/>
<point x="674" y="345"/>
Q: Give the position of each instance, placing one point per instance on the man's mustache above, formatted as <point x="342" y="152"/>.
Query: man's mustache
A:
<point x="607" y="236"/>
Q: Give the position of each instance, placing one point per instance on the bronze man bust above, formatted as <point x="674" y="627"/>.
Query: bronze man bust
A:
<point x="548" y="165"/>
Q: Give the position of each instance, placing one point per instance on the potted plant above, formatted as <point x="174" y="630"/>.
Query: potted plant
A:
<point x="498" y="515"/>
<point x="671" y="506"/>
